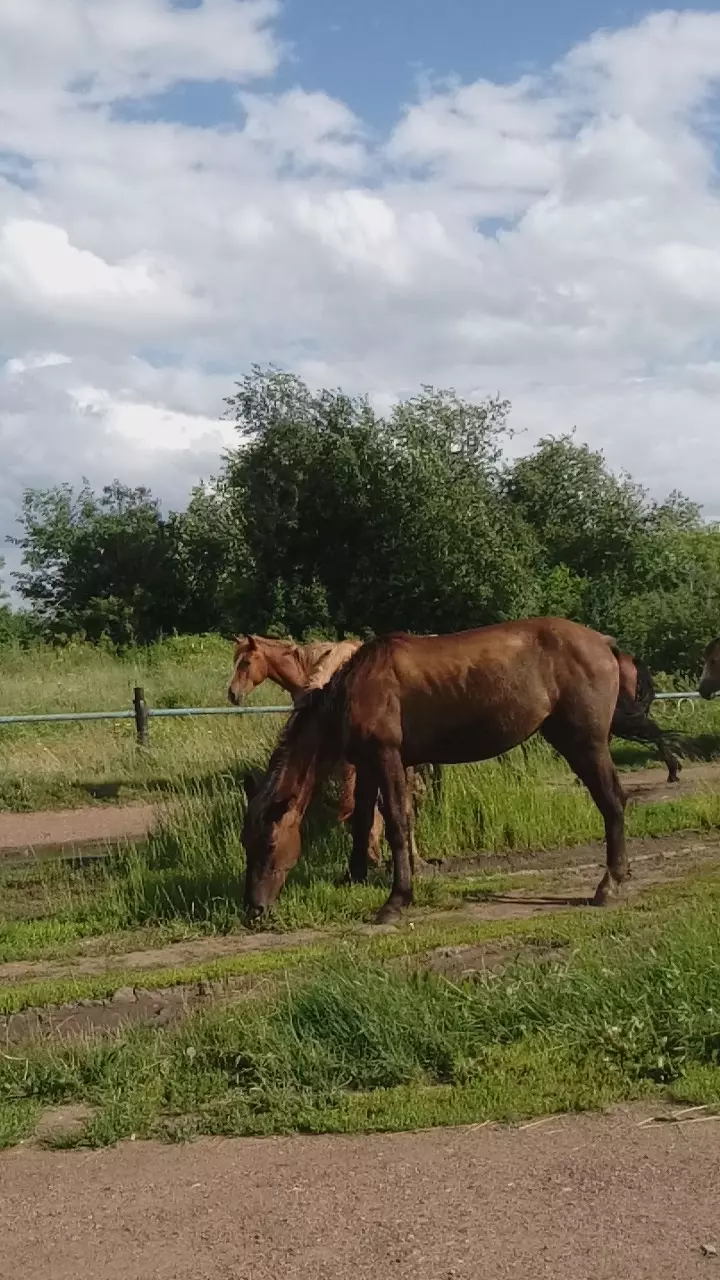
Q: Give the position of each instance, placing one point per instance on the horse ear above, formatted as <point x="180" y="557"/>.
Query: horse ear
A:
<point x="251" y="641"/>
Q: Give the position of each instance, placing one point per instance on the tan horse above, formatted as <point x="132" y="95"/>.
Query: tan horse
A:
<point x="404" y="700"/>
<point x="294" y="667"/>
<point x="297" y="668"/>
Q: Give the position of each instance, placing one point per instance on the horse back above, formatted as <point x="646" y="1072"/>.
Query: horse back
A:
<point x="473" y="694"/>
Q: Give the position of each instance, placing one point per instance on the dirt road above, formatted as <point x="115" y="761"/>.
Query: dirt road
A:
<point x="88" y="825"/>
<point x="582" y="1199"/>
<point x="97" y="824"/>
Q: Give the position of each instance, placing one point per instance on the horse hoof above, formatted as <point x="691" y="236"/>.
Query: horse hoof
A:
<point x="604" y="893"/>
<point x="389" y="914"/>
<point x="608" y="890"/>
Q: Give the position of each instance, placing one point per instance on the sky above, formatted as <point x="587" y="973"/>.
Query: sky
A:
<point x="507" y="198"/>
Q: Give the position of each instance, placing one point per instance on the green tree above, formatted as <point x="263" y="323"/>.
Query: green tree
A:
<point x="102" y="565"/>
<point x="354" y="521"/>
<point x="584" y="517"/>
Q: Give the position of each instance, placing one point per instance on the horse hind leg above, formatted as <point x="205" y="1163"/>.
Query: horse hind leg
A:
<point x="673" y="764"/>
<point x="589" y="758"/>
<point x="414" y="789"/>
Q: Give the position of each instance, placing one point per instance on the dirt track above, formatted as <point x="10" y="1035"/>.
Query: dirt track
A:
<point x="89" y="825"/>
<point x="582" y="1198"/>
<point x="97" y="824"/>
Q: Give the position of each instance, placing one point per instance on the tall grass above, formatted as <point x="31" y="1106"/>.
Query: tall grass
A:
<point x="355" y="1046"/>
<point x="191" y="868"/>
<point x="50" y="765"/>
<point x="71" y="764"/>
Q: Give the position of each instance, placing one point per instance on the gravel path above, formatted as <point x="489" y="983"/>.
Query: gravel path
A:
<point x="583" y="1198"/>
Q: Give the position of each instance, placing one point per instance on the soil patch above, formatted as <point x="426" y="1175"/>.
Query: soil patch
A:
<point x="127" y="1007"/>
<point x="662" y="863"/>
<point x="590" y="1197"/>
<point x="21" y="834"/>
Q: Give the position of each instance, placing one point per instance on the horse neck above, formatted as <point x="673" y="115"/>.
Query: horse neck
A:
<point x="284" y="668"/>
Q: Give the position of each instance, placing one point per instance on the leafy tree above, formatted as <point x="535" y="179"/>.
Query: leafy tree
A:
<point x="103" y="566"/>
<point x="584" y="517"/>
<point x="356" y="522"/>
<point x="330" y="518"/>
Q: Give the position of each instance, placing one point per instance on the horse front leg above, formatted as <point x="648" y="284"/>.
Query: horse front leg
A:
<point x="394" y="790"/>
<point x="364" y="823"/>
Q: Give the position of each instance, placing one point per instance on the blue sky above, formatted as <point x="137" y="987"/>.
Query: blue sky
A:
<point x="370" y="54"/>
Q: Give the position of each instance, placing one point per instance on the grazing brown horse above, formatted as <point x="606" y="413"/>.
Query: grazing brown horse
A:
<point x="297" y="668"/>
<point x="710" y="678"/>
<point x="632" y="720"/>
<point x="403" y="700"/>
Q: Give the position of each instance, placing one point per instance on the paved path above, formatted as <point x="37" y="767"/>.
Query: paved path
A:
<point x="578" y="1199"/>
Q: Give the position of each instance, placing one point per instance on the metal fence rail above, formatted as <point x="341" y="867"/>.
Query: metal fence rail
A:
<point x="142" y="713"/>
<point x="690" y="696"/>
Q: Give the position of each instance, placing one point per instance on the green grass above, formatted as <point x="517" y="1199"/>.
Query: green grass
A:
<point x="55" y="765"/>
<point x="346" y="1041"/>
<point x="632" y="1009"/>
<point x="52" y="765"/>
<point x="188" y="875"/>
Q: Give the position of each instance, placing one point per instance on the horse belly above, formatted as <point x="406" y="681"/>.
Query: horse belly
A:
<point x="464" y="738"/>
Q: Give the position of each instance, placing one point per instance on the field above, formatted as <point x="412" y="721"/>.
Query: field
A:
<point x="131" y="993"/>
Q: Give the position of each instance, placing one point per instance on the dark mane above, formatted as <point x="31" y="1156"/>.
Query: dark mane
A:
<point x="308" y="706"/>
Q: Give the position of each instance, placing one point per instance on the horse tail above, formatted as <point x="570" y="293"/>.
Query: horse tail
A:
<point x="645" y="690"/>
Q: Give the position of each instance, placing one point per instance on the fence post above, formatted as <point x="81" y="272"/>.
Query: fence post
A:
<point x="142" y="719"/>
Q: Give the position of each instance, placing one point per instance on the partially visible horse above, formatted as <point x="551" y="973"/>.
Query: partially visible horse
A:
<point x="710" y="678"/>
<point x="632" y="720"/>
<point x="297" y="668"/>
<point x="294" y="667"/>
<point x="404" y="700"/>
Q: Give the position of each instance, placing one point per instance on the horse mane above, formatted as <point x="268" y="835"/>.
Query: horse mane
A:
<point x="311" y="703"/>
<point x="330" y="661"/>
<point x="325" y="703"/>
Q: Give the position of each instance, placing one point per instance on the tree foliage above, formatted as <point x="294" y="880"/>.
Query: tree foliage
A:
<point x="330" y="517"/>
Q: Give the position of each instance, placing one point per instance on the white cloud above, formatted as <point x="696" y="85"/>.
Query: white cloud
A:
<point x="555" y="240"/>
<point x="311" y="129"/>
<point x="38" y="259"/>
<point x="108" y="51"/>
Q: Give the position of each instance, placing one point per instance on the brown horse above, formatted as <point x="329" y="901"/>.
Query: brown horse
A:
<point x="710" y="678"/>
<point x="297" y="668"/>
<point x="403" y="700"/>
